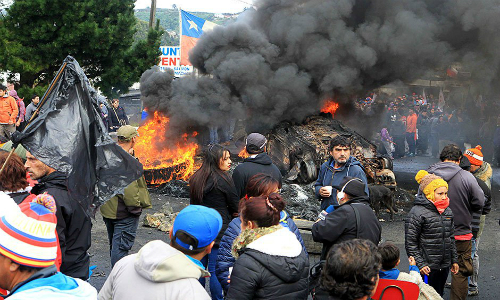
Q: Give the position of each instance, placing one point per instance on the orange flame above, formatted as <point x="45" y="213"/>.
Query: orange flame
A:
<point x="154" y="156"/>
<point x="243" y="153"/>
<point x="330" y="107"/>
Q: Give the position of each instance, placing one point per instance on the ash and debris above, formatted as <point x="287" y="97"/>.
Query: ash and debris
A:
<point x="173" y="188"/>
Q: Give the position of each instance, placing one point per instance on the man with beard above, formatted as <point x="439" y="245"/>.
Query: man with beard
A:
<point x="333" y="171"/>
<point x="73" y="223"/>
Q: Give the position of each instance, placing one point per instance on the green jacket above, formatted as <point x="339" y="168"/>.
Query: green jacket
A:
<point x="130" y="203"/>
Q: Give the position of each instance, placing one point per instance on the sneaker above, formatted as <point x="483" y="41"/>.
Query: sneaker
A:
<point x="473" y="292"/>
<point x="447" y="285"/>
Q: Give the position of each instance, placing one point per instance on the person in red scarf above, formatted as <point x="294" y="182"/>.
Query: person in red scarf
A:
<point x="429" y="231"/>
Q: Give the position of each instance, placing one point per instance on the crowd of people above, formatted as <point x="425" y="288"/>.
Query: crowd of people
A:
<point x="236" y="232"/>
<point x="419" y="125"/>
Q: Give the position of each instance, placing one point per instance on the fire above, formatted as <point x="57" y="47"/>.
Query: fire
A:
<point x="243" y="153"/>
<point x="149" y="150"/>
<point x="330" y="107"/>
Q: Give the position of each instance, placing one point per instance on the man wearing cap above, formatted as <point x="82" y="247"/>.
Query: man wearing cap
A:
<point x="121" y="213"/>
<point x="479" y="168"/>
<point x="473" y="162"/>
<point x="73" y="223"/>
<point x="352" y="219"/>
<point x="162" y="271"/>
<point x="8" y="113"/>
<point x="257" y="162"/>
<point x="28" y="250"/>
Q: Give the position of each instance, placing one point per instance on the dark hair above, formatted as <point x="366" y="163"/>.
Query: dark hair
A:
<point x="210" y="168"/>
<point x="2" y="87"/>
<point x="351" y="269"/>
<point x="188" y="240"/>
<point x="34" y="96"/>
<point x="339" y="141"/>
<point x="264" y="211"/>
<point x="13" y="177"/>
<point x="29" y="269"/>
<point x="114" y="100"/>
<point x="451" y="152"/>
<point x="261" y="185"/>
<point x="390" y="255"/>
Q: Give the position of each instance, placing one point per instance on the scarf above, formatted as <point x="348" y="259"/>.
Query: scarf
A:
<point x="441" y="205"/>
<point x="248" y="236"/>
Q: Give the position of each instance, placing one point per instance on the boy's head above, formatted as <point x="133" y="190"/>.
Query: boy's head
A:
<point x="390" y="255"/>
<point x="194" y="230"/>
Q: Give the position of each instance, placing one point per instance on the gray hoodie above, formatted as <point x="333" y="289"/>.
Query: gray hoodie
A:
<point x="466" y="197"/>
<point x="158" y="272"/>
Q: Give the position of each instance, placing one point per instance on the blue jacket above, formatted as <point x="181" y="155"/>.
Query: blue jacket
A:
<point x="330" y="177"/>
<point x="225" y="259"/>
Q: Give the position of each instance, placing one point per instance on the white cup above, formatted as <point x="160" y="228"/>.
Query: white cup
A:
<point x="329" y="189"/>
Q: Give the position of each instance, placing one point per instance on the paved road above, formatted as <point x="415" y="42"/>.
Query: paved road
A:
<point x="405" y="170"/>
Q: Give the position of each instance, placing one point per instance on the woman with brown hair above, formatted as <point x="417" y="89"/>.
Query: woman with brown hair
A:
<point x="211" y="186"/>
<point x="270" y="262"/>
<point x="13" y="177"/>
<point x="259" y="185"/>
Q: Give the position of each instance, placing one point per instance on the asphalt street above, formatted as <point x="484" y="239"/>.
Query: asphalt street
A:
<point x="405" y="170"/>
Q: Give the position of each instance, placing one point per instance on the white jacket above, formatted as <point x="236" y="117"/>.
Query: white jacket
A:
<point x="157" y="272"/>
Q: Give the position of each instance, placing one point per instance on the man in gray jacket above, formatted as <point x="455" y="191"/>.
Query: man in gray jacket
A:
<point x="466" y="200"/>
<point x="171" y="272"/>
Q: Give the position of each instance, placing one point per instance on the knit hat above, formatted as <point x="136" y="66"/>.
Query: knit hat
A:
<point x="28" y="237"/>
<point x="429" y="183"/>
<point x="475" y="155"/>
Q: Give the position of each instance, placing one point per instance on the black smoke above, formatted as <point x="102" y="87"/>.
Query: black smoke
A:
<point x="281" y="60"/>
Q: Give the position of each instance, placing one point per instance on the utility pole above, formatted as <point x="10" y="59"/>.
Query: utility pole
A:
<point x="152" y="14"/>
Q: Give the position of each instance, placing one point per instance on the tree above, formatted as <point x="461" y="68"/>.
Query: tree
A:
<point x="39" y="34"/>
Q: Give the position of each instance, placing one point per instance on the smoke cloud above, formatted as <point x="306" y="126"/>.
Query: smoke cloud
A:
<point x="281" y="60"/>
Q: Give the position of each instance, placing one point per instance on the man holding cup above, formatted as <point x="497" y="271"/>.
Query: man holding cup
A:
<point x="333" y="171"/>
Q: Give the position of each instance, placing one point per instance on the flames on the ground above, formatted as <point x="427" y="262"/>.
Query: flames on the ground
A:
<point x="156" y="153"/>
<point x="330" y="107"/>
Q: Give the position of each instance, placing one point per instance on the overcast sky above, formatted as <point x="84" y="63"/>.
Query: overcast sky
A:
<point x="216" y="6"/>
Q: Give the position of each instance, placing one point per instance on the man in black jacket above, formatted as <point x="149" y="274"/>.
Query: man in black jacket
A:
<point x="257" y="162"/>
<point x="353" y="218"/>
<point x="73" y="223"/>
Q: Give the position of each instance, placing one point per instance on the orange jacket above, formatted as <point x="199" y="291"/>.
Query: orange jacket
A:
<point x="411" y="123"/>
<point x="8" y="110"/>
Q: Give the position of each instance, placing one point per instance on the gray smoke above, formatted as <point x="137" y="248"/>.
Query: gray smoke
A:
<point x="279" y="61"/>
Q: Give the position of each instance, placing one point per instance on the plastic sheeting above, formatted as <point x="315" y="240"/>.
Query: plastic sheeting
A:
<point x="69" y="136"/>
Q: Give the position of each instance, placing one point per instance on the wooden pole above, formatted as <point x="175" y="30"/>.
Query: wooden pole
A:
<point x="7" y="159"/>
<point x="152" y="14"/>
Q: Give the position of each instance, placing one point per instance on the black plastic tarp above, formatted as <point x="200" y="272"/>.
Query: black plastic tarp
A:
<point x="69" y="136"/>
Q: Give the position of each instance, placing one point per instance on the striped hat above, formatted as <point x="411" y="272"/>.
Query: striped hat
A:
<point x="29" y="237"/>
<point x="475" y="155"/>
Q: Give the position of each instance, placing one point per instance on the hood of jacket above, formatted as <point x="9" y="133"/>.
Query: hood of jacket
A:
<point x="54" y="179"/>
<point x="423" y="201"/>
<point x="160" y="262"/>
<point x="351" y="161"/>
<point x="283" y="257"/>
<point x="261" y="158"/>
<point x="446" y="170"/>
<point x="484" y="173"/>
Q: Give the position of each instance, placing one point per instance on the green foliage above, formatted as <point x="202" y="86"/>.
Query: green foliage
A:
<point x="39" y="34"/>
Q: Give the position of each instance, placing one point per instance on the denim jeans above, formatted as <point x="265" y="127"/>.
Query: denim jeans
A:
<point x="475" y="264"/>
<point x="215" y="287"/>
<point x="214" y="136"/>
<point x="121" y="236"/>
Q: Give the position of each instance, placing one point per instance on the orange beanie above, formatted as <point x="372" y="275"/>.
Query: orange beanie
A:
<point x="475" y="155"/>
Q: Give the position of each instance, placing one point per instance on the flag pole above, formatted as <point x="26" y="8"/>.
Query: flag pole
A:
<point x="180" y="32"/>
<point x="44" y="98"/>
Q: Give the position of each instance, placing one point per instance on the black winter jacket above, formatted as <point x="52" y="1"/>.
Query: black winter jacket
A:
<point x="73" y="226"/>
<point x="113" y="121"/>
<point x="340" y="225"/>
<point x="429" y="235"/>
<point x="262" y="163"/>
<point x="273" y="267"/>
<point x="220" y="194"/>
